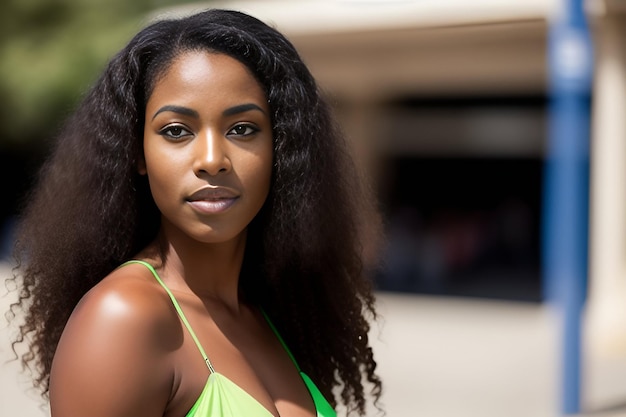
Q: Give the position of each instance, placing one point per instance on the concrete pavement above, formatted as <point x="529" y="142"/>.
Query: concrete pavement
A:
<point x="438" y="357"/>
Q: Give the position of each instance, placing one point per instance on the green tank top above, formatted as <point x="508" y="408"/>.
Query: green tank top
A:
<point x="223" y="398"/>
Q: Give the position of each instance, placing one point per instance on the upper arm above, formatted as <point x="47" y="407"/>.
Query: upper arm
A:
<point x="108" y="362"/>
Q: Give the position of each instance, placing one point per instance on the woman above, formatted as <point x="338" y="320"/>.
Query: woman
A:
<point x="193" y="245"/>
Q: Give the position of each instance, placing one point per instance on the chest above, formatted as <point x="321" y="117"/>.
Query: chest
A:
<point x="247" y="358"/>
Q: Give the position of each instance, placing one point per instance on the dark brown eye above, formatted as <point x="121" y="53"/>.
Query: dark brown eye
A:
<point x="174" y="132"/>
<point x="243" y="130"/>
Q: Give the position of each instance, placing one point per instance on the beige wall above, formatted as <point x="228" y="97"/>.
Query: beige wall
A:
<point x="607" y="297"/>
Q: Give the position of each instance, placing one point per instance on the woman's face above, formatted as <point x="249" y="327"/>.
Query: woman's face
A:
<point x="208" y="146"/>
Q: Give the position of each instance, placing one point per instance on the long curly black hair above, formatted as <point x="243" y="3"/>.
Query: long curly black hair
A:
<point x="305" y="261"/>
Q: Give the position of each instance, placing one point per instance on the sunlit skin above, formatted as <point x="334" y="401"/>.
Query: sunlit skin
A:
<point x="208" y="158"/>
<point x="208" y="150"/>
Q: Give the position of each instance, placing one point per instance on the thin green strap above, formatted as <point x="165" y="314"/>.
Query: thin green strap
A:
<point x="282" y="342"/>
<point x="182" y="316"/>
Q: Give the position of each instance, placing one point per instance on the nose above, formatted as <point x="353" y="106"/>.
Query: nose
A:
<point x="211" y="154"/>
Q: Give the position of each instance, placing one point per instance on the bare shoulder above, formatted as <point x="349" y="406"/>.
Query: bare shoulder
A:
<point x="128" y="299"/>
<point x="112" y="358"/>
<point x="130" y="292"/>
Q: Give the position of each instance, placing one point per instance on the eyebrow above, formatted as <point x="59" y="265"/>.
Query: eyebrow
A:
<point x="242" y="108"/>
<point x="177" y="109"/>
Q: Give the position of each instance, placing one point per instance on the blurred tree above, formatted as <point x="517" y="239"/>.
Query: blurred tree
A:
<point x="50" y="51"/>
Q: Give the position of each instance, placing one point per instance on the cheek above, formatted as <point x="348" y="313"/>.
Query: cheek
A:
<point x="266" y="169"/>
<point x="163" y="176"/>
<point x="159" y="188"/>
<point x="259" y="175"/>
<point x="163" y="162"/>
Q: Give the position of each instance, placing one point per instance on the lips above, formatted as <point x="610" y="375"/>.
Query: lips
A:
<point x="212" y="200"/>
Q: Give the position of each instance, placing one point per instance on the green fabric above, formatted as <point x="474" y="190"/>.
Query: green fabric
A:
<point x="223" y="398"/>
<point x="322" y="407"/>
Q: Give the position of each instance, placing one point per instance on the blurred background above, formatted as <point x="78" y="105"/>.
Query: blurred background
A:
<point x="447" y="105"/>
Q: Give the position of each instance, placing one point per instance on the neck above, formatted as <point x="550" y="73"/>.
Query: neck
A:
<point x="209" y="270"/>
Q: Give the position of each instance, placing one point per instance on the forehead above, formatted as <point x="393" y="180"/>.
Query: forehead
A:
<point x="207" y="74"/>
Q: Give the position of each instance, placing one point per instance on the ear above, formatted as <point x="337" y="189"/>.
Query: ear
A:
<point x="141" y="166"/>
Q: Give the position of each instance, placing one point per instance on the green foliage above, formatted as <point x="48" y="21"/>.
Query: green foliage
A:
<point x="51" y="51"/>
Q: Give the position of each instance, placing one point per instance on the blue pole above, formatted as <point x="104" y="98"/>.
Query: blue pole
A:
<point x="566" y="188"/>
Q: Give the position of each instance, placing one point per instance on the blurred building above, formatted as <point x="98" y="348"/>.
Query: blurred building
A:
<point x="446" y="105"/>
<point x="606" y="310"/>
